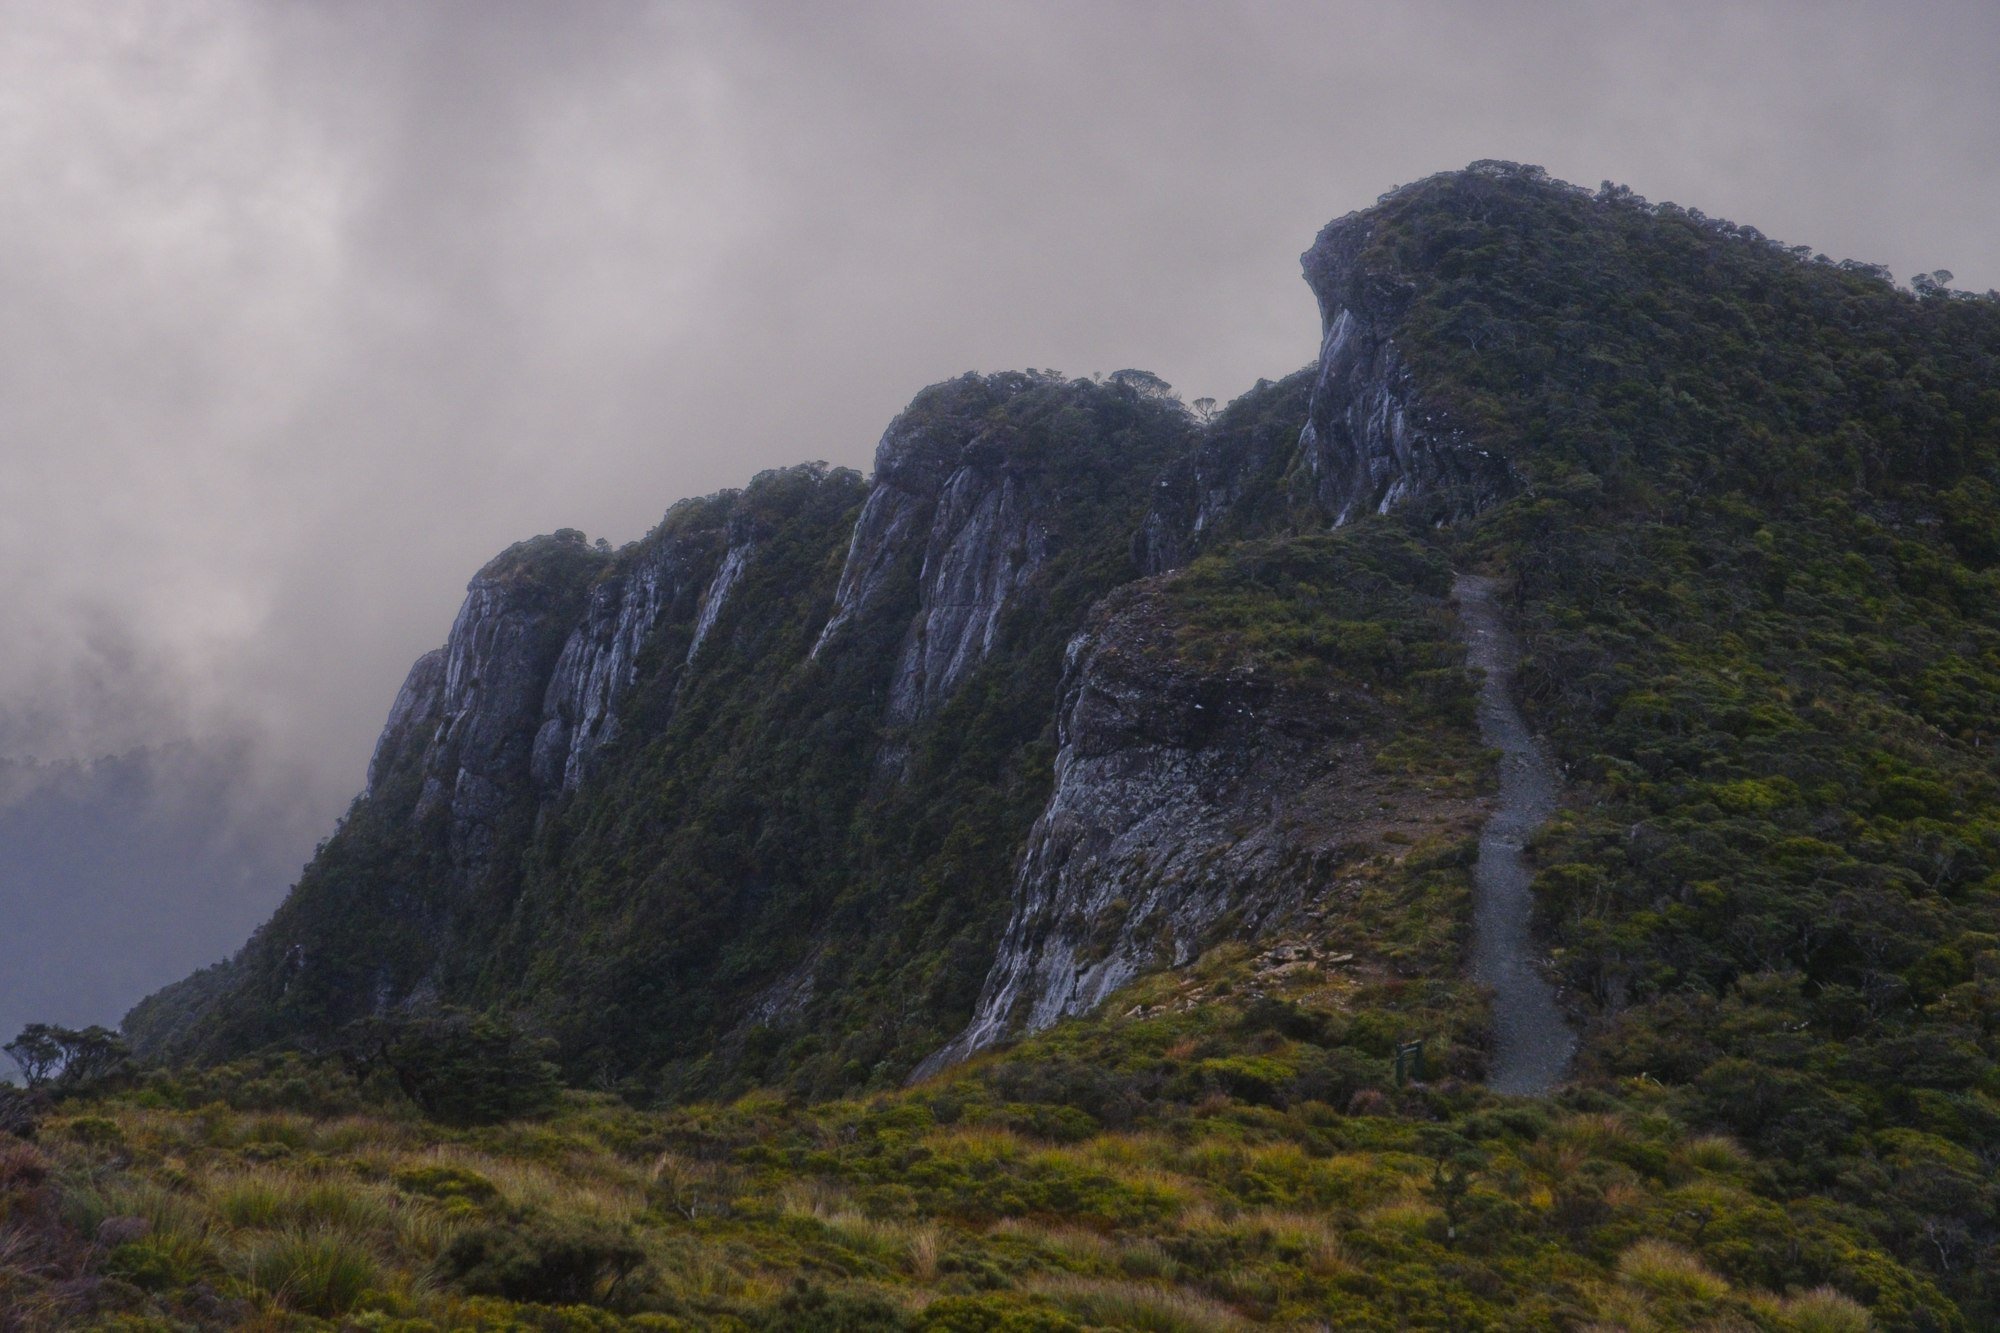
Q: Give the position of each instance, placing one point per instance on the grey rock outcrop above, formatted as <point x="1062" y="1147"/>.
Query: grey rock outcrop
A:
<point x="468" y="714"/>
<point x="948" y="484"/>
<point x="525" y="693"/>
<point x="1234" y="483"/>
<point x="1369" y="442"/>
<point x="412" y="719"/>
<point x="986" y="539"/>
<point x="1183" y="801"/>
<point x="676" y="578"/>
<point x="742" y="545"/>
<point x="1366" y="441"/>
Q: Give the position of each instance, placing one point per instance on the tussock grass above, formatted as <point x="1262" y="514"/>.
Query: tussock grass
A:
<point x="1821" y="1310"/>
<point x="1408" y="1215"/>
<point x="1312" y="1240"/>
<point x="166" y="1210"/>
<point x="1231" y="1214"/>
<point x="1076" y="1249"/>
<point x="1147" y="1258"/>
<point x="1129" y="1150"/>
<point x="531" y="1185"/>
<point x="1665" y="1269"/>
<point x="688" y="1188"/>
<point x="163" y="1261"/>
<point x="1139" y="1305"/>
<point x="1599" y="1134"/>
<point x="977" y="1142"/>
<point x="1716" y="1153"/>
<point x="924" y="1243"/>
<point x="317" y="1272"/>
<point x="270" y="1199"/>
<point x="813" y="1196"/>
<point x="423" y="1230"/>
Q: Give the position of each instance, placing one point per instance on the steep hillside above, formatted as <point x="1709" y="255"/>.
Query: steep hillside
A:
<point x="1083" y="709"/>
<point x="763" y="770"/>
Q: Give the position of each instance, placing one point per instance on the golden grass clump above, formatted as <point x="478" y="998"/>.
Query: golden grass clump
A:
<point x="1713" y="1152"/>
<point x="1140" y="1305"/>
<point x="266" y="1199"/>
<point x="977" y="1143"/>
<point x="1665" y="1269"/>
<point x="317" y="1272"/>
<point x="1311" y="1240"/>
<point x="1076" y="1249"/>
<point x="1820" y="1310"/>
<point x="1599" y="1134"/>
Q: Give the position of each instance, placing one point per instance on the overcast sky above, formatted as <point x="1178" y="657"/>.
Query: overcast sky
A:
<point x="307" y="309"/>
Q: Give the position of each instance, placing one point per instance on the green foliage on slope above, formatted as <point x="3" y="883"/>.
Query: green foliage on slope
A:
<point x="1226" y="1147"/>
<point x="1757" y="585"/>
<point x="755" y="830"/>
<point x="754" y="836"/>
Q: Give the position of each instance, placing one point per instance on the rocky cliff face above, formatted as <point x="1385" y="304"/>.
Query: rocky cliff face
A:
<point x="468" y="715"/>
<point x="680" y="578"/>
<point x="1238" y="482"/>
<point x="1348" y="436"/>
<point x="1185" y="803"/>
<point x="1190" y="804"/>
<point x="1370" y="442"/>
<point x="951" y="485"/>
<point x="464" y="708"/>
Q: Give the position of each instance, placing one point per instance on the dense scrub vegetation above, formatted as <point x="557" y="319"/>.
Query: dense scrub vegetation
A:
<point x="745" y="834"/>
<point x="1230" y="1147"/>
<point x="754" y="834"/>
<point x="1757" y="578"/>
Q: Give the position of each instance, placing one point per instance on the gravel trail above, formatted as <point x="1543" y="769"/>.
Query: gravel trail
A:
<point x="1532" y="1041"/>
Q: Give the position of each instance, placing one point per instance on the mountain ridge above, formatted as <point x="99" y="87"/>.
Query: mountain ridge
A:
<point x="1086" y="697"/>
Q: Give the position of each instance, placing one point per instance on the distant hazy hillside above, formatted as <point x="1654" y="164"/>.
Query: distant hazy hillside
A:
<point x="119" y="874"/>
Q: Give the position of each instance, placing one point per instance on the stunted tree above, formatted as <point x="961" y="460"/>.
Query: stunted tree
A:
<point x="458" y="1067"/>
<point x="94" y="1053"/>
<point x="66" y="1059"/>
<point x="1933" y="285"/>
<point x="38" y="1052"/>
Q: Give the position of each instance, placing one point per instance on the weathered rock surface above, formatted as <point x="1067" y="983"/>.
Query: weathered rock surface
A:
<point x="1370" y="443"/>
<point x="986" y="538"/>
<point x="412" y="718"/>
<point x="468" y="714"/>
<point x="950" y="485"/>
<point x="600" y="661"/>
<point x="1366" y="442"/>
<point x="1235" y="483"/>
<point x="742" y="545"/>
<point x="1186" y="806"/>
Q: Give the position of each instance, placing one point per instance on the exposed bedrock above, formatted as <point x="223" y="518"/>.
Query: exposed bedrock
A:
<point x="949" y="490"/>
<point x="684" y="579"/>
<point x="1370" y="442"/>
<point x="468" y="714"/>
<point x="1186" y="806"/>
<point x="601" y="659"/>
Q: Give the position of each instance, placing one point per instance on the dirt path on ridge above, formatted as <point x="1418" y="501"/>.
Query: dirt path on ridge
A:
<point x="1532" y="1041"/>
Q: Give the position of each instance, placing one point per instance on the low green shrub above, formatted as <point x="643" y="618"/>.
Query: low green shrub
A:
<point x="566" y="1261"/>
